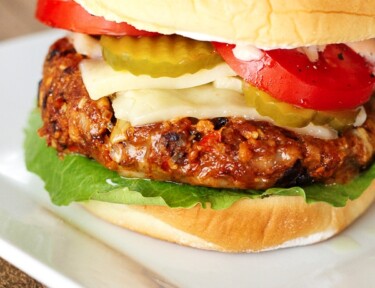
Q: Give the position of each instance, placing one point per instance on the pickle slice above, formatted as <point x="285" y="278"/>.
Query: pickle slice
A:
<point x="288" y="115"/>
<point x="169" y="56"/>
<point x="338" y="120"/>
<point x="282" y="113"/>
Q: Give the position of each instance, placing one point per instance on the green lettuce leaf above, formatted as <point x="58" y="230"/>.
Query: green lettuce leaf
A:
<point x="77" y="178"/>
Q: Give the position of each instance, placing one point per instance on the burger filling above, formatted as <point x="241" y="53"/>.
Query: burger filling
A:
<point x="221" y="151"/>
<point x="240" y="120"/>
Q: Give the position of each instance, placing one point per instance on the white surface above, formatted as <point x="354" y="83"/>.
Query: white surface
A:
<point x="44" y="245"/>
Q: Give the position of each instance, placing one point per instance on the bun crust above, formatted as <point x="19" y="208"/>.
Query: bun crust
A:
<point x="264" y="23"/>
<point x="247" y="226"/>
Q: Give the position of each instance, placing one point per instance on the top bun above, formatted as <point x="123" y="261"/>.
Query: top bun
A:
<point x="263" y="23"/>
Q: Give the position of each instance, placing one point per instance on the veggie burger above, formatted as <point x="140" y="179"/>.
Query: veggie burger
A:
<point x="234" y="125"/>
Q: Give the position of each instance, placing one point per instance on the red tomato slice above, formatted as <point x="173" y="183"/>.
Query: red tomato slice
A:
<point x="67" y="14"/>
<point x="339" y="79"/>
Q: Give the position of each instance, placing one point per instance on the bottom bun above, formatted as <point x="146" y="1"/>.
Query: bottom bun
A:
<point x="247" y="226"/>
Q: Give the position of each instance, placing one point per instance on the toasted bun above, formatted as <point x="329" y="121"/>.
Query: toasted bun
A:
<point x="275" y="23"/>
<point x="247" y="226"/>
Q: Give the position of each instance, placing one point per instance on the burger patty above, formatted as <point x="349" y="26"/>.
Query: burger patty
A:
<point x="222" y="152"/>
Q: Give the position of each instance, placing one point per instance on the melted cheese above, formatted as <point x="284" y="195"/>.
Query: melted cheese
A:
<point x="101" y="80"/>
<point x="141" y="107"/>
<point x="86" y="45"/>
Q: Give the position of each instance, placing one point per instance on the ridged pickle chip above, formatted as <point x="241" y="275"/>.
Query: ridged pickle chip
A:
<point x="288" y="115"/>
<point x="159" y="56"/>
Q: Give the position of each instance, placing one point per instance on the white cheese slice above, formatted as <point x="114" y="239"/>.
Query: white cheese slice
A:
<point x="147" y="106"/>
<point x="322" y="132"/>
<point x="101" y="80"/>
<point x="86" y="45"/>
<point x="231" y="83"/>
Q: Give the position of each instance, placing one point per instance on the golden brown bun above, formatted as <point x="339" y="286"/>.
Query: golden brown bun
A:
<point x="247" y="226"/>
<point x="264" y="23"/>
